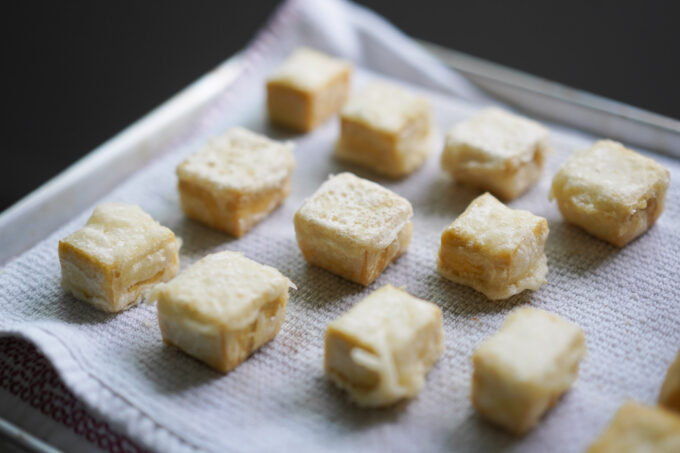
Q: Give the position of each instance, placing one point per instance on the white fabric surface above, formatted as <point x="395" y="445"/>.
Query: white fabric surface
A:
<point x="628" y="301"/>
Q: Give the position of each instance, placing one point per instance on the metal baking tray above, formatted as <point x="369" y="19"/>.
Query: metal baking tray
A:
<point x="61" y="198"/>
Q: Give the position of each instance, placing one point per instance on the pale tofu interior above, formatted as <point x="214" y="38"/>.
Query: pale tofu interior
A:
<point x="341" y="361"/>
<point x="86" y="279"/>
<point x="135" y="281"/>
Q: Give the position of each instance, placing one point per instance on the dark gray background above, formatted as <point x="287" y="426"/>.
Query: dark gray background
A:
<point x="77" y="72"/>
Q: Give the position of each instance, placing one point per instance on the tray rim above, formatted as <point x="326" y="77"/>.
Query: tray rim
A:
<point x="479" y="70"/>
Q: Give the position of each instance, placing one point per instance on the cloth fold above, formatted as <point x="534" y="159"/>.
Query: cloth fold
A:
<point x="626" y="300"/>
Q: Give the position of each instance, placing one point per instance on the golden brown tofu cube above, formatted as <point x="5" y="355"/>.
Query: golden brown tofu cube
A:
<point x="353" y="227"/>
<point x="523" y="369"/>
<point x="494" y="249"/>
<point x="496" y="151"/>
<point x="117" y="257"/>
<point x="386" y="129"/>
<point x="637" y="429"/>
<point x="307" y="89"/>
<point x="236" y="180"/>
<point x="610" y="191"/>
<point x="222" y="308"/>
<point x="670" y="391"/>
<point x="381" y="350"/>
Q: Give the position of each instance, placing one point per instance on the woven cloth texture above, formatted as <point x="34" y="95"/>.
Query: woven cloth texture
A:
<point x="627" y="301"/>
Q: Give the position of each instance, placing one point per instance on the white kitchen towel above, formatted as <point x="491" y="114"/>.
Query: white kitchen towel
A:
<point x="627" y="300"/>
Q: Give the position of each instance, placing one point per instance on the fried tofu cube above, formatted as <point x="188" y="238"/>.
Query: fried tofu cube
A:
<point x="117" y="257"/>
<point x="387" y="129"/>
<point x="307" y="89"/>
<point x="610" y="191"/>
<point x="381" y="350"/>
<point x="496" y="151"/>
<point x="524" y="368"/>
<point x="353" y="227"/>
<point x="637" y="428"/>
<point x="222" y="308"/>
<point x="236" y="180"/>
<point x="494" y="249"/>
<point x="670" y="391"/>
